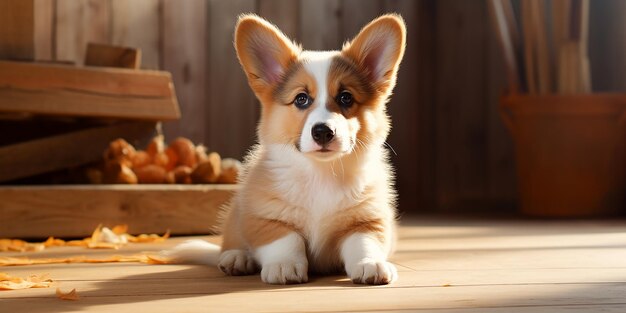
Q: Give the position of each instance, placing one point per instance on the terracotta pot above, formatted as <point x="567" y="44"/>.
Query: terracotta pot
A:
<point x="570" y="153"/>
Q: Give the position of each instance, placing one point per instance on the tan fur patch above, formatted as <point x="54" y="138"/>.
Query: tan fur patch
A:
<point x="282" y="122"/>
<point x="343" y="225"/>
<point x="370" y="37"/>
<point x="259" y="232"/>
<point x="345" y="75"/>
<point x="256" y="42"/>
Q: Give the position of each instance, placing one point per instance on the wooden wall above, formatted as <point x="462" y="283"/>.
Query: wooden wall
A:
<point x="452" y="151"/>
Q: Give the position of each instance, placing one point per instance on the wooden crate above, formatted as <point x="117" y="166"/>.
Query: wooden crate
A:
<point x="75" y="210"/>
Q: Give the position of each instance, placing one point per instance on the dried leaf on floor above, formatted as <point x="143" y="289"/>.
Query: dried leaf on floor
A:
<point x="151" y="238"/>
<point x="16" y="245"/>
<point x="8" y="282"/>
<point x="138" y="258"/>
<point x="72" y="295"/>
<point x="101" y="238"/>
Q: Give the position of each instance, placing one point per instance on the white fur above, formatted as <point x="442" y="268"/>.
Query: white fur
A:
<point x="284" y="260"/>
<point x="365" y="260"/>
<point x="318" y="65"/>
<point x="340" y="184"/>
<point x="194" y="252"/>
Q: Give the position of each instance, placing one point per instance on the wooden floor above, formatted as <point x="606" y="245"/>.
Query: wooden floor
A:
<point x="445" y="265"/>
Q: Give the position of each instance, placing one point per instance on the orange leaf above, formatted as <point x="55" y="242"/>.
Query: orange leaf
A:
<point x="8" y="282"/>
<point x="120" y="229"/>
<point x="72" y="295"/>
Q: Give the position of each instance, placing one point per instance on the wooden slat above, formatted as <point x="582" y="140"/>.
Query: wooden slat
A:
<point x="256" y="298"/>
<point x="44" y="28"/>
<point x="67" y="90"/>
<point x="185" y="49"/>
<point x="283" y="13"/>
<point x="356" y="14"/>
<point x="428" y="292"/>
<point x="607" y="45"/>
<point x="449" y="265"/>
<point x="501" y="24"/>
<point x="319" y="28"/>
<point x="112" y="56"/>
<point x="137" y="24"/>
<point x="530" y="58"/>
<point x="17" y="20"/>
<point x="540" y="36"/>
<point x="77" y="23"/>
<point x="66" y="150"/>
<point x="425" y="51"/>
<point x="75" y="211"/>
<point x="405" y="137"/>
<point x="501" y="177"/>
<point x="461" y="120"/>
<point x="232" y="108"/>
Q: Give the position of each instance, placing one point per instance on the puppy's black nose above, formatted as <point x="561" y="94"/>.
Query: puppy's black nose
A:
<point x="322" y="134"/>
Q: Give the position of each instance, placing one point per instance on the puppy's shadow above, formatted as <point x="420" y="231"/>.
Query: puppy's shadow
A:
<point x="177" y="283"/>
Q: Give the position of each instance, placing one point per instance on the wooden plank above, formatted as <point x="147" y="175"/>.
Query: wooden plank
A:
<point x="205" y="284"/>
<point x="66" y="28"/>
<point x="425" y="47"/>
<point x="137" y="24"/>
<point x="319" y="28"/>
<point x="74" y="211"/>
<point x="66" y="150"/>
<point x="143" y="292"/>
<point x="185" y="52"/>
<point x="540" y="36"/>
<point x="67" y="90"/>
<point x="560" y="33"/>
<point x="501" y="178"/>
<point x="607" y="45"/>
<point x="232" y="108"/>
<point x="29" y="128"/>
<point x="584" y="85"/>
<point x="461" y="103"/>
<point x="343" y="300"/>
<point x="112" y="56"/>
<point x="17" y="32"/>
<point x="44" y="29"/>
<point x="406" y="113"/>
<point x="77" y="23"/>
<point x="283" y="13"/>
<point x="501" y="22"/>
<point x="460" y="265"/>
<point x="357" y="13"/>
<point x="529" y="47"/>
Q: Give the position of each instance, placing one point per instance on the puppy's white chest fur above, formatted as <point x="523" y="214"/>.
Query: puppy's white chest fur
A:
<point x="317" y="189"/>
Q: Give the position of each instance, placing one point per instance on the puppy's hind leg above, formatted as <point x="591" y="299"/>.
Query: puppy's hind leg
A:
<point x="235" y="259"/>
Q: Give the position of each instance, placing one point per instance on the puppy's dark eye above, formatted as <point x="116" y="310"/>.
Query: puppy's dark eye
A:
<point x="302" y="101"/>
<point x="345" y="99"/>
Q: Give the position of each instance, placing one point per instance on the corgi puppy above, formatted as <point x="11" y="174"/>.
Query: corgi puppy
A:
<point x="316" y="193"/>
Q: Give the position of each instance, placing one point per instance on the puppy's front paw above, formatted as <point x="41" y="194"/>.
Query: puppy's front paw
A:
<point x="237" y="262"/>
<point x="373" y="272"/>
<point x="285" y="273"/>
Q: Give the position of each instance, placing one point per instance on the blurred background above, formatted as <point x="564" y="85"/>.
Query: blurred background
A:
<point x="452" y="151"/>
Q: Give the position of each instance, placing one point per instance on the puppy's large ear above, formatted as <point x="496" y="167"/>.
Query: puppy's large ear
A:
<point x="378" y="50"/>
<point x="264" y="52"/>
